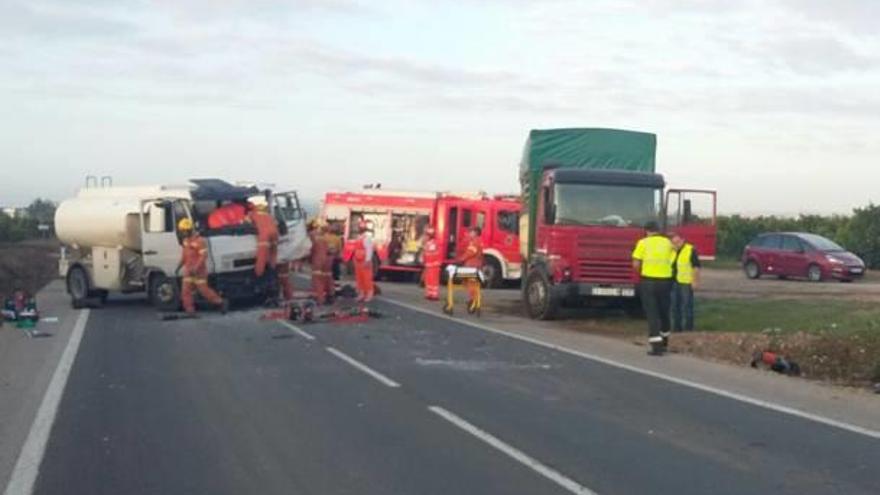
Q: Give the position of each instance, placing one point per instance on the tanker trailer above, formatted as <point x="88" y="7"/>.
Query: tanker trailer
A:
<point x="122" y="239"/>
<point x="125" y="239"/>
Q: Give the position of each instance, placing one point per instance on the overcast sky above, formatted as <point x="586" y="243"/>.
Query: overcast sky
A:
<point x="773" y="103"/>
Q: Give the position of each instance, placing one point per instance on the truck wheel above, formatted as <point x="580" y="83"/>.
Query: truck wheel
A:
<point x="634" y="309"/>
<point x="814" y="273"/>
<point x="752" y="269"/>
<point x="376" y="264"/>
<point x="78" y="285"/>
<point x="492" y="273"/>
<point x="164" y="293"/>
<point x="538" y="297"/>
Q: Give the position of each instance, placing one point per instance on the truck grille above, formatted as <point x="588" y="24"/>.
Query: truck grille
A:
<point x="604" y="260"/>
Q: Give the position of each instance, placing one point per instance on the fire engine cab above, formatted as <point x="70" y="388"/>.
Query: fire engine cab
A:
<point x="397" y="221"/>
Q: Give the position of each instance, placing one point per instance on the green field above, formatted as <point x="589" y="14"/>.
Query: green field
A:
<point x="749" y="315"/>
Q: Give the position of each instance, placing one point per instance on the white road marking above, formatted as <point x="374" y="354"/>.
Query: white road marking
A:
<point x="295" y="329"/>
<point x="518" y="455"/>
<point x="357" y="364"/>
<point x="27" y="467"/>
<point x="654" y="374"/>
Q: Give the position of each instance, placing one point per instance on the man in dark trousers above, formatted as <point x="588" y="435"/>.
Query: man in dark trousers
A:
<point x="653" y="257"/>
<point x="687" y="278"/>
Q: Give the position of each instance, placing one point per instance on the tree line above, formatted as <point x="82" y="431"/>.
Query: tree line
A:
<point x="858" y="232"/>
<point x="26" y="226"/>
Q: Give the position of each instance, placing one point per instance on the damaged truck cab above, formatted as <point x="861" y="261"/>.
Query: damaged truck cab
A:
<point x="125" y="239"/>
<point x="590" y="193"/>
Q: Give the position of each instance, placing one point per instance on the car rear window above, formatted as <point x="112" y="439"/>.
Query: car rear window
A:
<point x="770" y="241"/>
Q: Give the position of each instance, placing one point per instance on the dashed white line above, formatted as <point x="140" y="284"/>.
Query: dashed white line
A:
<point x="366" y="369"/>
<point x="27" y="467"/>
<point x="654" y="374"/>
<point x="295" y="329"/>
<point x="518" y="455"/>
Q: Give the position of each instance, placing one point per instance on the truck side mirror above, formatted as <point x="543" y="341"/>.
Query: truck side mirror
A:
<point x="687" y="215"/>
<point x="549" y="207"/>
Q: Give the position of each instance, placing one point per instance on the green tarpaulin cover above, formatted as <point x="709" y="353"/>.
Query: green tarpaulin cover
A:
<point x="591" y="148"/>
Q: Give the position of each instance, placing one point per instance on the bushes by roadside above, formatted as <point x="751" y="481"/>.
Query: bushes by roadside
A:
<point x="26" y="225"/>
<point x="859" y="232"/>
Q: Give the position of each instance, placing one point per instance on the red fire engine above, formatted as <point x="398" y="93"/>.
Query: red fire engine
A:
<point x="398" y="221"/>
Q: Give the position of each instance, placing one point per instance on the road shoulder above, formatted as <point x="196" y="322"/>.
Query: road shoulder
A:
<point x="26" y="368"/>
<point x="846" y="406"/>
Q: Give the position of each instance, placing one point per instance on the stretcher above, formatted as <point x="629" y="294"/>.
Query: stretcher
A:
<point x="460" y="276"/>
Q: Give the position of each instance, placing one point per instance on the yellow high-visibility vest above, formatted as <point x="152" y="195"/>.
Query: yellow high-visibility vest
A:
<point x="657" y="255"/>
<point x="684" y="269"/>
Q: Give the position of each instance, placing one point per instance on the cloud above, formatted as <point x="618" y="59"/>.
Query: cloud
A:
<point x="856" y="16"/>
<point x="59" y="21"/>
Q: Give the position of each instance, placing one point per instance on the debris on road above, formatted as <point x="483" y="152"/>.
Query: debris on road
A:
<point x="775" y="362"/>
<point x="178" y="316"/>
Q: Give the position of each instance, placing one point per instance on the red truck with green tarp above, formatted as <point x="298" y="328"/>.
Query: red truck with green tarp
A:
<point x="587" y="194"/>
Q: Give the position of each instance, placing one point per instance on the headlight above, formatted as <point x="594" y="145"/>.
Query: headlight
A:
<point x="832" y="259"/>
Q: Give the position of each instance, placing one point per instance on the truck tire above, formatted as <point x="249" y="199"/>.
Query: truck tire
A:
<point x="538" y="297"/>
<point x="78" y="284"/>
<point x="164" y="293"/>
<point x="492" y="272"/>
<point x="634" y="309"/>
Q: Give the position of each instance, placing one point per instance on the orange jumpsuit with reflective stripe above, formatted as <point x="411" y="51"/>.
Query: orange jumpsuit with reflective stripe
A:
<point x="473" y="258"/>
<point x="195" y="273"/>
<point x="363" y="268"/>
<point x="267" y="241"/>
<point x="321" y="265"/>
<point x="431" y="274"/>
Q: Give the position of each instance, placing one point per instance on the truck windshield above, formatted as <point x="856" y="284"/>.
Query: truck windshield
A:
<point x="601" y="204"/>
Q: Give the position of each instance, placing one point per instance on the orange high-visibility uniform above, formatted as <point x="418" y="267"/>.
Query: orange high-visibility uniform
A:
<point x="473" y="258"/>
<point x="267" y="241"/>
<point x="320" y="260"/>
<point x="195" y="273"/>
<point x="363" y="268"/>
<point x="431" y="274"/>
<point x="284" y="280"/>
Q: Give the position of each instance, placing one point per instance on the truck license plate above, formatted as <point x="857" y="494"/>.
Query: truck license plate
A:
<point x="612" y="292"/>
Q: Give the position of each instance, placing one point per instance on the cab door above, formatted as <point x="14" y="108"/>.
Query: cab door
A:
<point x="160" y="242"/>
<point x="505" y="232"/>
<point x="692" y="213"/>
<point x="293" y="241"/>
<point x="469" y="216"/>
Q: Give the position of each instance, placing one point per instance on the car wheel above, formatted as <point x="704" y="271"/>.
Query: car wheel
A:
<point x="164" y="293"/>
<point x="752" y="269"/>
<point x="78" y="285"/>
<point x="814" y="273"/>
<point x="539" y="300"/>
<point x="492" y="273"/>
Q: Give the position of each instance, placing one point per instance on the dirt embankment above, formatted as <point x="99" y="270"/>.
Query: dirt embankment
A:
<point x="29" y="265"/>
<point x="843" y="358"/>
<point x="852" y="360"/>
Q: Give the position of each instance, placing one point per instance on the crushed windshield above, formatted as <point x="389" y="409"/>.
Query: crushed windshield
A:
<point x="601" y="204"/>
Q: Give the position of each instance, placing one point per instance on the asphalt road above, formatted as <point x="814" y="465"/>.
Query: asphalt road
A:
<point x="407" y="404"/>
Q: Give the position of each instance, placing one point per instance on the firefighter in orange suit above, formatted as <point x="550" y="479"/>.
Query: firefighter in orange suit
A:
<point x="320" y="261"/>
<point x="283" y="271"/>
<point x="362" y="258"/>
<point x="193" y="261"/>
<point x="432" y="259"/>
<point x="473" y="258"/>
<point x="267" y="238"/>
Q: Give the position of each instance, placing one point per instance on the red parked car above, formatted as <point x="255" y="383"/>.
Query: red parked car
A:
<point x="798" y="254"/>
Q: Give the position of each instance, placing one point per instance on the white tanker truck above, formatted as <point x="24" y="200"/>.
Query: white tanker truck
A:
<point x="125" y="239"/>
